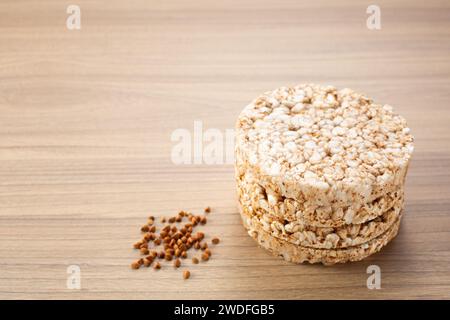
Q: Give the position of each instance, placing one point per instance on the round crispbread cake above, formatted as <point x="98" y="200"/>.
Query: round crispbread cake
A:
<point x="304" y="235"/>
<point x="290" y="210"/>
<point x="322" y="146"/>
<point x="299" y="254"/>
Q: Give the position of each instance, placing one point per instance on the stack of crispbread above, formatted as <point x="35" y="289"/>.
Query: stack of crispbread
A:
<point x="320" y="173"/>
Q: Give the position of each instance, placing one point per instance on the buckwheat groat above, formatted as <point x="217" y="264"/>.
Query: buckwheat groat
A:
<point x="298" y="254"/>
<point x="325" y="216"/>
<point x="322" y="146"/>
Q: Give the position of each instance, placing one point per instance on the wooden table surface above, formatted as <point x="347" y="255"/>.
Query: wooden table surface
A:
<point x="86" y="118"/>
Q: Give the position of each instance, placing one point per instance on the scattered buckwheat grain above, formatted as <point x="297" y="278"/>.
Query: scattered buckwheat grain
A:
<point x="173" y="241"/>
<point x="205" y="256"/>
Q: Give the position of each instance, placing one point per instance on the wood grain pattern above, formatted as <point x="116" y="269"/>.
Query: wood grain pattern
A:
<point x="86" y="118"/>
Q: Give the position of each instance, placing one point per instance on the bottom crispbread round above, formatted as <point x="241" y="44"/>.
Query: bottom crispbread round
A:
<point x="298" y="254"/>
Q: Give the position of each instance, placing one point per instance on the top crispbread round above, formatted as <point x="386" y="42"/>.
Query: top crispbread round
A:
<point x="323" y="146"/>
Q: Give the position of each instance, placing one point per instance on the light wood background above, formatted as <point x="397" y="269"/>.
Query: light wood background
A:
<point x="86" y="118"/>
